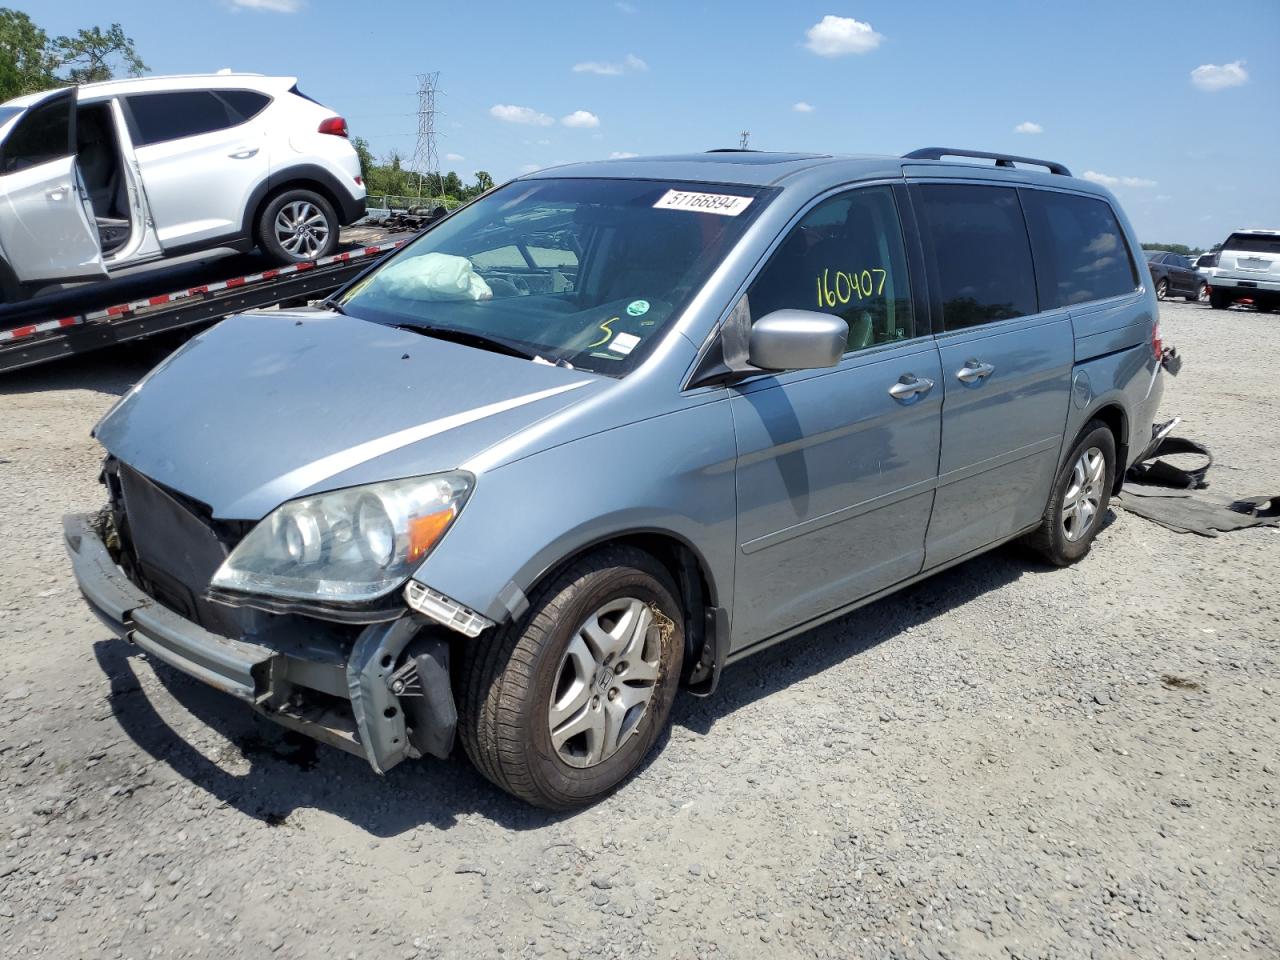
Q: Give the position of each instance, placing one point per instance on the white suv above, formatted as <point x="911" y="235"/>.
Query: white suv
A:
<point x="108" y="175"/>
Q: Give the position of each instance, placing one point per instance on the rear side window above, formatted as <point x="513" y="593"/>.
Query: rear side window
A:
<point x="1081" y="253"/>
<point x="44" y="134"/>
<point x="844" y="257"/>
<point x="244" y="104"/>
<point x="170" y="116"/>
<point x="981" y="253"/>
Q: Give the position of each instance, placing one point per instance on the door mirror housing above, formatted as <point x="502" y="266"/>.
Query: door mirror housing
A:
<point x="797" y="340"/>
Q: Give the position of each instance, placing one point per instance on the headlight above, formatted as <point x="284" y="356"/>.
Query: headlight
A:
<point x="347" y="546"/>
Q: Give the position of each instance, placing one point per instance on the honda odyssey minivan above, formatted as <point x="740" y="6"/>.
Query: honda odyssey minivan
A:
<point x="612" y="427"/>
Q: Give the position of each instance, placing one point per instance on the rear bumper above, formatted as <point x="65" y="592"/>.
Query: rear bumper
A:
<point x="1241" y="285"/>
<point x="340" y="695"/>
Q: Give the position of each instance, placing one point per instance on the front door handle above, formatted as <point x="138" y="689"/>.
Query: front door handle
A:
<point x="973" y="371"/>
<point x="58" y="193"/>
<point x="909" y="385"/>
<point x="244" y="154"/>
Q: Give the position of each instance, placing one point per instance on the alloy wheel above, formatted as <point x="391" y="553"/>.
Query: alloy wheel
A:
<point x="302" y="229"/>
<point x="1081" y="502"/>
<point x="605" y="682"/>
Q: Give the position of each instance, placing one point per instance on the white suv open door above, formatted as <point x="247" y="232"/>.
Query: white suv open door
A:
<point x="47" y="229"/>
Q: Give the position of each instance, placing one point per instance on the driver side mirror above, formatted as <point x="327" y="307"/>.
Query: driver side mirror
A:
<point x="797" y="340"/>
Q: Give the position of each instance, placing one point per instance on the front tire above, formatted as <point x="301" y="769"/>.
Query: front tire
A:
<point x="1162" y="289"/>
<point x="1201" y="294"/>
<point x="298" y="226"/>
<point x="560" y="706"/>
<point x="1079" y="500"/>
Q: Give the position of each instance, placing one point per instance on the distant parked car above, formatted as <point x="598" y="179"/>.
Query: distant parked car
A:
<point x="1174" y="276"/>
<point x="104" y="176"/>
<point x="1248" y="265"/>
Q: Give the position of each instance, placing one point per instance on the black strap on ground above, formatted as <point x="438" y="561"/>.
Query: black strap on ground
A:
<point x="1151" y="469"/>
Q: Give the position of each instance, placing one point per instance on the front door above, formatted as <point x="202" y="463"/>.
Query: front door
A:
<point x="1006" y="368"/>
<point x="47" y="229"/>
<point x="836" y="467"/>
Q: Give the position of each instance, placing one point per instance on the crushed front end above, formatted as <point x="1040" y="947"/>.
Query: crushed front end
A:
<point x="371" y="679"/>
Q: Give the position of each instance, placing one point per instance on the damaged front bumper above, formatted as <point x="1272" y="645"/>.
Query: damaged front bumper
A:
<point x="384" y="696"/>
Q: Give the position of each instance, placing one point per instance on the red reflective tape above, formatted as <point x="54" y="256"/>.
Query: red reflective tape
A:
<point x="305" y="265"/>
<point x="194" y="290"/>
<point x="68" y="321"/>
<point x="342" y="258"/>
<point x="270" y="274"/>
<point x="156" y="301"/>
<point x="369" y="251"/>
<point x="116" y="311"/>
<point x="236" y="282"/>
<point x="23" y="331"/>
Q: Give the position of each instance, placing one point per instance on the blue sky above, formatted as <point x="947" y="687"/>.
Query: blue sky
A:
<point x="1111" y="85"/>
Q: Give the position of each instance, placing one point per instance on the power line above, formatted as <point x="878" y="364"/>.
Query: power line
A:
<point x="745" y="137"/>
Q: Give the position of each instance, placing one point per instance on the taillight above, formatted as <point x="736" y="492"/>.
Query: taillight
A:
<point x="1157" y="345"/>
<point x="334" y="125"/>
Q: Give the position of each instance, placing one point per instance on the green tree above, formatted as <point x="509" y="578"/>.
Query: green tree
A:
<point x="93" y="55"/>
<point x="484" y="181"/>
<point x="26" y="64"/>
<point x="30" y="61"/>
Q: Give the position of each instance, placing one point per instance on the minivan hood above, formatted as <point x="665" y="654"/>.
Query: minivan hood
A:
<point x="266" y="407"/>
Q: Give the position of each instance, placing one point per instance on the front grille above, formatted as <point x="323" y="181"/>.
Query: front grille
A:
<point x="173" y="547"/>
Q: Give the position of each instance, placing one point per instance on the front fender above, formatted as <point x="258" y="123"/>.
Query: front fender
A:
<point x="672" y="474"/>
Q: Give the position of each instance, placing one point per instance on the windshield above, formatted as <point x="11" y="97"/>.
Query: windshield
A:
<point x="583" y="272"/>
<point x="1253" y="243"/>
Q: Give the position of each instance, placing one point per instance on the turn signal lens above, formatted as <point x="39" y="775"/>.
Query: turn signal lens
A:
<point x="425" y="531"/>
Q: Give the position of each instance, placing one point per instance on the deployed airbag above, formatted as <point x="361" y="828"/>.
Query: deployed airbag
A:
<point x="434" y="276"/>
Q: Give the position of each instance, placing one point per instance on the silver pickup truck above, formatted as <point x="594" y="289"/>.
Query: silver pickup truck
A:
<point x="1248" y="266"/>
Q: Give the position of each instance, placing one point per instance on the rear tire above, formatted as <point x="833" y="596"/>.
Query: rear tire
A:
<point x="560" y="706"/>
<point x="1199" y="295"/>
<point x="1162" y="289"/>
<point x="1218" y="300"/>
<point x="298" y="226"/>
<point x="1079" y="499"/>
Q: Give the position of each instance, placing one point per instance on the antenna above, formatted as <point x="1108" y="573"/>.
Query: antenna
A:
<point x="425" y="160"/>
<point x="745" y="136"/>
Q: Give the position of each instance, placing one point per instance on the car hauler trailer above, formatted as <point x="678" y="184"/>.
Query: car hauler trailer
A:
<point x="37" y="331"/>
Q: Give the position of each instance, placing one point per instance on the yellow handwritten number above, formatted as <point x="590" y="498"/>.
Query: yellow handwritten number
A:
<point x="608" y="333"/>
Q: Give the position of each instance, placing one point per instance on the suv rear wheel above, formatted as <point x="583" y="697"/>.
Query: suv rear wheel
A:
<point x="560" y="706"/>
<point x="298" y="225"/>
<point x="1219" y="300"/>
<point x="1079" y="499"/>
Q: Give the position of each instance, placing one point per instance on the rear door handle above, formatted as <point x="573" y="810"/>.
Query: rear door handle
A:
<point x="974" y="370"/>
<point x="60" y="192"/>
<point x="244" y="154"/>
<point x="909" y="385"/>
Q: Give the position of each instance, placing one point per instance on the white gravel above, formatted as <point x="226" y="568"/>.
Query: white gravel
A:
<point x="1005" y="760"/>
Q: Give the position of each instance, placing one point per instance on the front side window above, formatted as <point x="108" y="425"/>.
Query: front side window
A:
<point x="1081" y="253"/>
<point x="582" y="272"/>
<point x="170" y="116"/>
<point x="980" y="251"/>
<point x="44" y="134"/>
<point x="845" y="257"/>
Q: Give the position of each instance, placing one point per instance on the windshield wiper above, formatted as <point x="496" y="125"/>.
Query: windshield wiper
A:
<point x="471" y="339"/>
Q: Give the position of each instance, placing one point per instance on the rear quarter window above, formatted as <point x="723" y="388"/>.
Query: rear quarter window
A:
<point x="1081" y="252"/>
<point x="244" y="104"/>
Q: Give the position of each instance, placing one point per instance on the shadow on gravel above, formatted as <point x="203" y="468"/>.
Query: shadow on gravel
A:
<point x="111" y="370"/>
<point x="287" y="772"/>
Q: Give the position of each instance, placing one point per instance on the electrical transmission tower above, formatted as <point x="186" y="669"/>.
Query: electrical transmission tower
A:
<point x="425" y="160"/>
<point x="745" y="137"/>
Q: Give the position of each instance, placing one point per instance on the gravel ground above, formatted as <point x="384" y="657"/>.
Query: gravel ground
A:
<point x="1002" y="761"/>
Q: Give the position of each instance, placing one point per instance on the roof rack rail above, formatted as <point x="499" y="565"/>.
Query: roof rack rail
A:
<point x="1001" y="159"/>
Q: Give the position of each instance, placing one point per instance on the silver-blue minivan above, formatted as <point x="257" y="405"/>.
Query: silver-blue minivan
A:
<point x="613" y="426"/>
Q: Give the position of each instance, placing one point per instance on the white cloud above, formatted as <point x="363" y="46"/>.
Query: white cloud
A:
<point x="838" y="36"/>
<point x="581" y="118"/>
<point x="801" y="107"/>
<point x="1212" y="77"/>
<point x="1028" y="126"/>
<point x="629" y="64"/>
<point x="455" y="157"/>
<point x="1109" y="181"/>
<point x="526" y="115"/>
<point x="271" y="6"/>
<point x="622" y="155"/>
